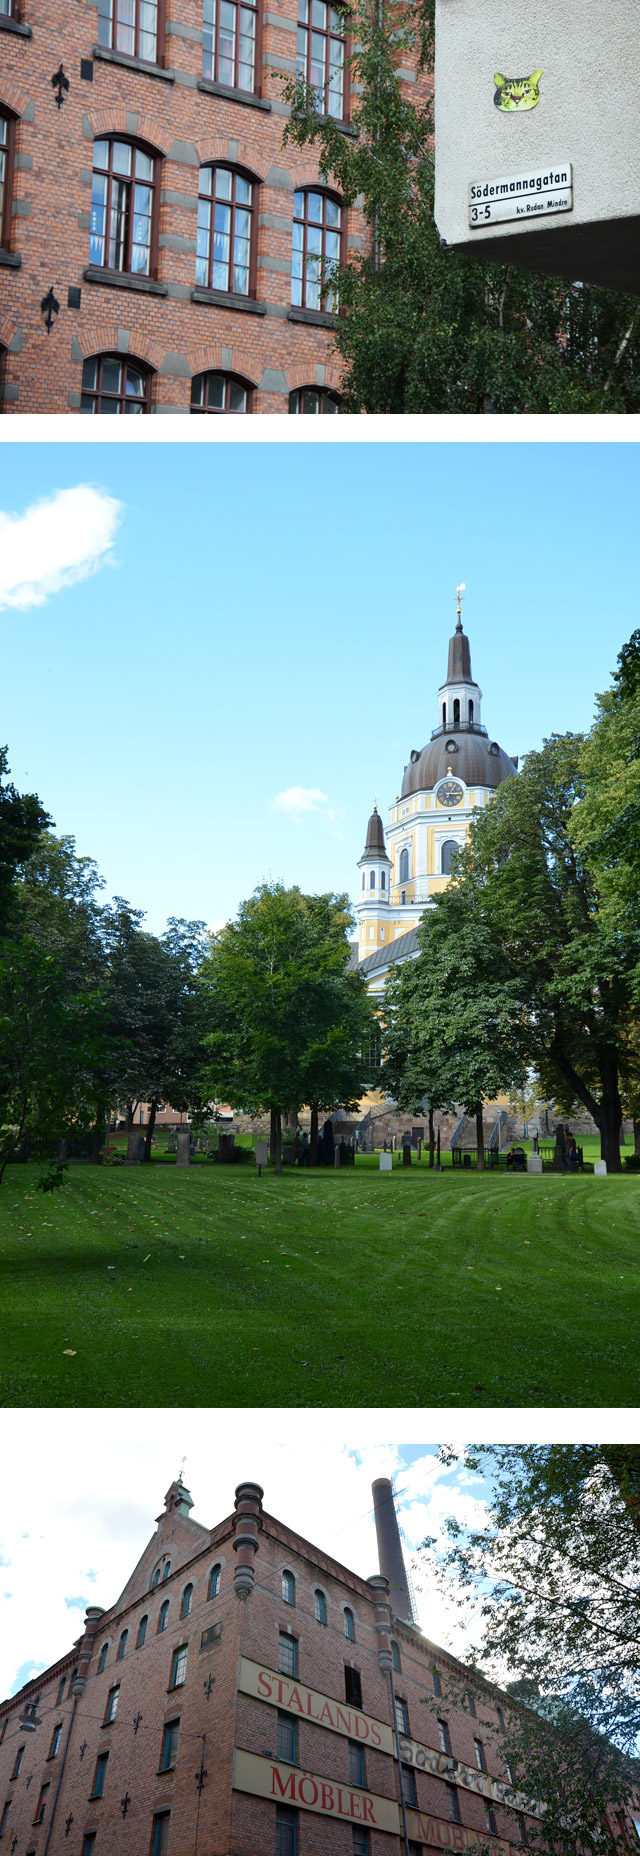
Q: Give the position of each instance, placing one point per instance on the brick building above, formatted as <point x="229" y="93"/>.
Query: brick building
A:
<point x="159" y="250"/>
<point x="183" y="1721"/>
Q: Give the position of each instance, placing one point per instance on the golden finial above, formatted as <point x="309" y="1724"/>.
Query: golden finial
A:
<point x="459" y="591"/>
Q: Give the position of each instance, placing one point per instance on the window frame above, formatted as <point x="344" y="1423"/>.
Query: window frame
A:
<point x="238" y="172"/>
<point x="324" y="393"/>
<point x="111" y="1705"/>
<point x="41" y="1806"/>
<point x="178" y="1681"/>
<point x="360" y="1843"/>
<point x="170" y="1735"/>
<point x="162" y="1617"/>
<point x="492" y="1821"/>
<point x="356" y="1757"/>
<point x="481" y="1758"/>
<point x="135" y="143"/>
<point x="395" y="1657"/>
<point x="55" y="1740"/>
<point x="320" y="1605"/>
<point x="254" y="6"/>
<point x="409" y="1786"/>
<point x="6" y="216"/>
<point x="353" y="1681"/>
<point x="185" y="1606"/>
<point x="143" y="1626"/>
<point x="102" y="1761"/>
<point x="286" y="1818"/>
<point x="159" y="1817"/>
<point x="314" y="309"/>
<point x="230" y="379"/>
<point x="287" y="1724"/>
<point x="284" y="1639"/>
<point x="98" y="393"/>
<point x="102" y="1658"/>
<point x="401" y="1715"/>
<point x="349" y="1624"/>
<point x="455" y="1815"/>
<point x="109" y="43"/>
<point x="311" y="30"/>
<point x="445" y="1737"/>
<point x="20" y="1753"/>
<point x="288" y="1596"/>
<point x="122" y="1646"/>
<point x="213" y="1591"/>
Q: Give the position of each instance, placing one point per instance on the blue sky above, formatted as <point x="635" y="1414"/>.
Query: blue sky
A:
<point x="80" y="1536"/>
<point x="274" y="617"/>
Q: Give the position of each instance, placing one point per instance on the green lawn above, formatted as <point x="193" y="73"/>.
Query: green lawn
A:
<point x="209" y="1286"/>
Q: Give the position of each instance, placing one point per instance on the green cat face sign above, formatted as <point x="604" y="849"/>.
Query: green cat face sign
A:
<point x="517" y="93"/>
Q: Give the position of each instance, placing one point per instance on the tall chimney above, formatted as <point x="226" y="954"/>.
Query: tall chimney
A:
<point x="390" y="1548"/>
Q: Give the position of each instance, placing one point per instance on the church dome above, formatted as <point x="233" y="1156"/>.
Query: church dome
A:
<point x="471" y="756"/>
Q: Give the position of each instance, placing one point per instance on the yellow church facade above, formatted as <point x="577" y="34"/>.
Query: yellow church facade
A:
<point x="443" y="784"/>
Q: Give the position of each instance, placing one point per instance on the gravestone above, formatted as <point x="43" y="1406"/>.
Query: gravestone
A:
<point x="560" y="1150"/>
<point x="600" y="1168"/>
<point x="262" y="1153"/>
<point x="135" y="1149"/>
<point x="226" y="1145"/>
<point x="184" y="1146"/>
<point x="534" y="1163"/>
<point x="289" y="1153"/>
<point x="386" y="1163"/>
<point x="406" y="1154"/>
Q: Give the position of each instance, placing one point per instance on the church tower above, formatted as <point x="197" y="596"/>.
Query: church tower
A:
<point x="443" y="783"/>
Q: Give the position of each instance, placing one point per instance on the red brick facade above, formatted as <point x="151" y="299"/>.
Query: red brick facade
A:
<point x="339" y="1703"/>
<point x="153" y="321"/>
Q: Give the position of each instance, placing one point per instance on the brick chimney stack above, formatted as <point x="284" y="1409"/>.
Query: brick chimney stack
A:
<point x="390" y="1548"/>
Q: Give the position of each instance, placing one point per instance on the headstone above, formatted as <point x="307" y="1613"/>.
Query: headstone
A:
<point x="535" y="1143"/>
<point x="600" y="1168"/>
<point x="226" y="1145"/>
<point x="406" y="1154"/>
<point x="560" y="1150"/>
<point x="135" y="1149"/>
<point x="419" y="1147"/>
<point x="288" y="1153"/>
<point x="262" y="1153"/>
<point x="386" y="1163"/>
<point x="534" y="1163"/>
<point x="466" y="1159"/>
<point x="184" y="1146"/>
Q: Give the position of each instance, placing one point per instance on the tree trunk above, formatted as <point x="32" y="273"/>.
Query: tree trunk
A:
<point x="291" y="1117"/>
<point x="431" y="1138"/>
<point x="313" y="1137"/>
<point x="149" y="1131"/>
<point x="275" y="1141"/>
<point x="636" y="1136"/>
<point x="97" y="1132"/>
<point x="609" y="1116"/>
<point x="480" y="1139"/>
<point x="131" y="1109"/>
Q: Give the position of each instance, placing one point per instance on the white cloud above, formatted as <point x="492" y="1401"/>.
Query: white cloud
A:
<point x="296" y="802"/>
<point x="56" y="542"/>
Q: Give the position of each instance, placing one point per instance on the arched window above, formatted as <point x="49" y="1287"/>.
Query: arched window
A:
<point x="214" y="1582"/>
<point x="349" y="1625"/>
<point x="122" y="1645"/>
<point x="288" y="1589"/>
<point x="216" y="392"/>
<point x="130" y="26"/>
<point x="123" y="208"/>
<point x="102" y="1658"/>
<point x="110" y="384"/>
<point x="61" y="1689"/>
<point x="321" y="54"/>
<point x="471" y="712"/>
<point x="383" y="883"/>
<point x="142" y="1631"/>
<point x="164" y="1613"/>
<point x="444" y="715"/>
<point x="156" y="1579"/>
<point x="364" y="879"/>
<point x="186" y="1601"/>
<point x="395" y="1657"/>
<point x="229" y="44"/>
<point x="166" y="1570"/>
<point x="7" y="140"/>
<point x="372" y="879"/>
<point x="404" y="866"/>
<point x="456" y="712"/>
<point x="449" y="851"/>
<point x="317" y="225"/>
<point x="313" y="399"/>
<point x="320" y="1604"/>
<point x="224" y="259"/>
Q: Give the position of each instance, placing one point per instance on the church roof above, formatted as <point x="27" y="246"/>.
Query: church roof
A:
<point x="375" y="845"/>
<point x="400" y="949"/>
<point x="469" y="754"/>
<point x="459" y="666"/>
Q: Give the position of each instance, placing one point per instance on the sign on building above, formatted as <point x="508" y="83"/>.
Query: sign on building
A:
<point x="538" y="135"/>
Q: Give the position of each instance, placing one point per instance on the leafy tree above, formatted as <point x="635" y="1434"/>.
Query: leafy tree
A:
<point x="287" y="1022"/>
<point x="454" y="1033"/>
<point x="153" y="1001"/>
<point x="606" y="821"/>
<point x="22" y="819"/>
<point x="50" y="1044"/>
<point x="424" y="329"/>
<point x="573" y="977"/>
<point x="553" y="1581"/>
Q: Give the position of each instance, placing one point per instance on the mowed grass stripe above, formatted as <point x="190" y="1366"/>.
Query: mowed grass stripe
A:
<point x="319" y="1289"/>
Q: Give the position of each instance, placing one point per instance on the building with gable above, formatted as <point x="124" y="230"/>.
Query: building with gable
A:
<point x="248" y="1695"/>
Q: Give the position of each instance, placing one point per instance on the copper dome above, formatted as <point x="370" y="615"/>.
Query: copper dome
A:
<point x="476" y="760"/>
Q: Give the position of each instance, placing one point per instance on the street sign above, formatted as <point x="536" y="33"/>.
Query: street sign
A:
<point x="528" y="196"/>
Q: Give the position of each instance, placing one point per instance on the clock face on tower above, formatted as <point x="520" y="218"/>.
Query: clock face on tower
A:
<point x="450" y="793"/>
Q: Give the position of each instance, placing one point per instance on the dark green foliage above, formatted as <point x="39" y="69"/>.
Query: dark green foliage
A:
<point x="423" y="329"/>
<point x="22" y="819"/>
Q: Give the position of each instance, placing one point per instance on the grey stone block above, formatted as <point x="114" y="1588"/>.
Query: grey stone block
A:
<point x="9" y="391"/>
<point x="76" y="351"/>
<point x="275" y="220"/>
<point x="189" y="200"/>
<point x="15" y="346"/>
<point x="132" y="122"/>
<point x="181" y="412"/>
<point x="277" y="309"/>
<point x="186" y="79"/>
<point x="354" y="242"/>
<point x="87" y="130"/>
<point x="84" y="222"/>
<point x="279" y="178"/>
<point x="181" y="291"/>
<point x="281" y="265"/>
<point x="29" y="112"/>
<point x="124" y="338"/>
<point x="176" y="364"/>
<point x="183" y="152"/>
<point x="86" y="176"/>
<point x="174" y="30"/>
<point x="272" y="62"/>
<point x="174" y="241"/>
<point x="273" y="380"/>
<point x="74" y="401"/>
<point x="283" y="25"/>
<point x="321" y="374"/>
<point x="227" y="357"/>
<point x="23" y="161"/>
<point x="233" y="149"/>
<point x="21" y="209"/>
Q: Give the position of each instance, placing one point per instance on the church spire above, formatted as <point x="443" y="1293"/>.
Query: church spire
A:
<point x="459" y="697"/>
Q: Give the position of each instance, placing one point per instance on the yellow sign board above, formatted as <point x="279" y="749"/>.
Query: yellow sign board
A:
<point x="283" y="1692"/>
<point x="268" y="1778"/>
<point x="438" y="1834"/>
